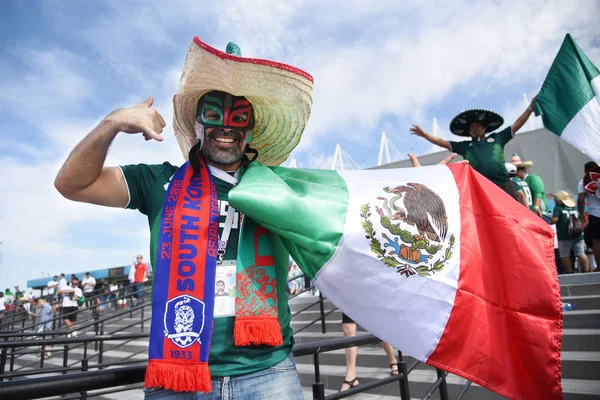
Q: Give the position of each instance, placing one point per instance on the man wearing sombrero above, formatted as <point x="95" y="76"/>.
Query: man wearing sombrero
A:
<point x="229" y="110"/>
<point x="484" y="153"/>
<point x="536" y="185"/>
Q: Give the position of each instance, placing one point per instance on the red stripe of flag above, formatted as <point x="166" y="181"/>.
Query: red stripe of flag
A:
<point x="504" y="331"/>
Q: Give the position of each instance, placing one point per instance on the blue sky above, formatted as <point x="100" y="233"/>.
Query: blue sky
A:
<point x="378" y="66"/>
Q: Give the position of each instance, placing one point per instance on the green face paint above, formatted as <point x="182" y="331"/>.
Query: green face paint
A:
<point x="228" y="112"/>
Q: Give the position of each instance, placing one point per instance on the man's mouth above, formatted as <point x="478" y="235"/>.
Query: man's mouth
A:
<point x="226" y="138"/>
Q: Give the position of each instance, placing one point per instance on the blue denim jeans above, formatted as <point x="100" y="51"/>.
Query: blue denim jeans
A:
<point x="280" y="382"/>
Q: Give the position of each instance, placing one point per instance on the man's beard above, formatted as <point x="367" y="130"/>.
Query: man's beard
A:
<point x="219" y="156"/>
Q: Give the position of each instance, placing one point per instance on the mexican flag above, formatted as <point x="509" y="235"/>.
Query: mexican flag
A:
<point x="437" y="261"/>
<point x="569" y="101"/>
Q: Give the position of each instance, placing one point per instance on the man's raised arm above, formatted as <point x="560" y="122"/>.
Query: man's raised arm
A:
<point x="84" y="178"/>
<point x="524" y="117"/>
<point x="416" y="130"/>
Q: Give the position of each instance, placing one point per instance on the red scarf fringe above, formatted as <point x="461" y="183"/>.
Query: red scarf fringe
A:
<point x="178" y="377"/>
<point x="249" y="331"/>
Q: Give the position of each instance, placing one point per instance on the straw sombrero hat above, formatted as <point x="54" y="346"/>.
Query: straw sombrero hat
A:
<point x="565" y="198"/>
<point x="519" y="163"/>
<point x="281" y="97"/>
<point x="461" y="124"/>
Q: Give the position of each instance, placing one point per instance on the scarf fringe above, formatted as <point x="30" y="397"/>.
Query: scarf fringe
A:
<point x="256" y="331"/>
<point x="178" y="377"/>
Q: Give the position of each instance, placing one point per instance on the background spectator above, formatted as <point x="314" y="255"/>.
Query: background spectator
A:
<point x="114" y="293"/>
<point x="18" y="295"/>
<point x="294" y="286"/>
<point x="45" y="316"/>
<point x="593" y="213"/>
<point x="139" y="277"/>
<point x="89" y="284"/>
<point x="351" y="380"/>
<point x="70" y="306"/>
<point x="62" y="282"/>
<point x="53" y="287"/>
<point x="484" y="153"/>
<point x="9" y="299"/>
<point x="2" y="305"/>
<point x="536" y="185"/>
<point x="567" y="241"/>
<point x="522" y="188"/>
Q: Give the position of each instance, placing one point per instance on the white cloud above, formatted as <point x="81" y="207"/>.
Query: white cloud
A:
<point x="482" y="46"/>
<point x="42" y="83"/>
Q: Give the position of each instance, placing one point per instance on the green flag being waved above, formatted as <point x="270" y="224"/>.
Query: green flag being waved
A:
<point x="569" y="101"/>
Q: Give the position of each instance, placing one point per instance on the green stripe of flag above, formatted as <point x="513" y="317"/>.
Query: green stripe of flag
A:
<point x="312" y="231"/>
<point x="567" y="87"/>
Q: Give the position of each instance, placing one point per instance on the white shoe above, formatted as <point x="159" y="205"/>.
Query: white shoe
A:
<point x="69" y="335"/>
<point x="74" y="334"/>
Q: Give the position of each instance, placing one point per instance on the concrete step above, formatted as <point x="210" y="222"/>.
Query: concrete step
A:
<point x="308" y="316"/>
<point x="581" y="340"/>
<point x="574" y="339"/>
<point x="588" y="302"/>
<point x="581" y="319"/>
<point x="331" y="325"/>
<point x="578" y="279"/>
<point x="420" y="381"/>
<point x="575" y="365"/>
<point x="580" y="290"/>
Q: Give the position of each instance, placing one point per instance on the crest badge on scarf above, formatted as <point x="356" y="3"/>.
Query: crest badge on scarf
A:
<point x="184" y="320"/>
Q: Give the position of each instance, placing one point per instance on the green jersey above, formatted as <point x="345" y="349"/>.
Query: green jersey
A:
<point x="536" y="185"/>
<point x="562" y="225"/>
<point x="486" y="156"/>
<point x="147" y="186"/>
<point x="522" y="186"/>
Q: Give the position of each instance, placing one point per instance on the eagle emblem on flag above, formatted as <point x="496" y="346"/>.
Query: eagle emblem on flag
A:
<point x="415" y="230"/>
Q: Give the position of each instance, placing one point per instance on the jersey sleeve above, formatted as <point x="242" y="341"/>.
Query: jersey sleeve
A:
<point x="140" y="179"/>
<point x="504" y="136"/>
<point x="537" y="187"/>
<point x="460" y="147"/>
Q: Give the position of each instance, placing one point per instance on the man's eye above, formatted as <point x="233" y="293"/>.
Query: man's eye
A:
<point x="239" y="118"/>
<point x="211" y="116"/>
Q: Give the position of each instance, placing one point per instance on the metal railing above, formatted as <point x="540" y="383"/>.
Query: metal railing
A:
<point x="84" y="375"/>
<point x="57" y="321"/>
<point x="98" y="338"/>
<point x="320" y="301"/>
<point x="103" y="379"/>
<point x="19" y="314"/>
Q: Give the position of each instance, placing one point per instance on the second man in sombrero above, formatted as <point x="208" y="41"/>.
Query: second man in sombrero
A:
<point x="484" y="153"/>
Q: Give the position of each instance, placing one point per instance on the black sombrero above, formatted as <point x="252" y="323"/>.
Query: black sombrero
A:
<point x="461" y="124"/>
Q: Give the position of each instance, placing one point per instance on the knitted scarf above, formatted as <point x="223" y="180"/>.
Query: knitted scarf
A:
<point x="183" y="299"/>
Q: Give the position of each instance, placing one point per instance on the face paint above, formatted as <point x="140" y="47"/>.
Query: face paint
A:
<point x="221" y="114"/>
<point x="227" y="109"/>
